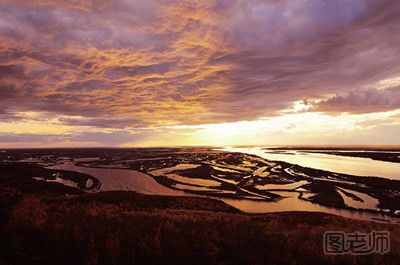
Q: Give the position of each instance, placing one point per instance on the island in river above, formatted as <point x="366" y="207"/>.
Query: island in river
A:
<point x="58" y="191"/>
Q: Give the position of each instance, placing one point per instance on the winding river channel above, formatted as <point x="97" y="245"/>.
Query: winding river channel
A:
<point x="126" y="179"/>
<point x="357" y="166"/>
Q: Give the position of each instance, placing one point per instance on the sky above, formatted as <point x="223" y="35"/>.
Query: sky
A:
<point x="199" y="72"/>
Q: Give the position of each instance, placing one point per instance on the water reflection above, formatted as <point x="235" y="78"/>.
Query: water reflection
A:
<point x="294" y="204"/>
<point x="340" y="164"/>
<point x="123" y="179"/>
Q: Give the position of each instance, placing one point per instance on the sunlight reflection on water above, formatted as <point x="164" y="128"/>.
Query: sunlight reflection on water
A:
<point x="339" y="164"/>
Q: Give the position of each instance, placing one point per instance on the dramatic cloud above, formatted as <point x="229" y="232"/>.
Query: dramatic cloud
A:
<point x="94" y="65"/>
<point x="363" y="101"/>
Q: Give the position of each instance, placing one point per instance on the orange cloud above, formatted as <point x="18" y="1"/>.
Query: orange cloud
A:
<point x="137" y="65"/>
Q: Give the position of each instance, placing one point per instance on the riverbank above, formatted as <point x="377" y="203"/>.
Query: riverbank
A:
<point x="123" y="227"/>
<point x="245" y="181"/>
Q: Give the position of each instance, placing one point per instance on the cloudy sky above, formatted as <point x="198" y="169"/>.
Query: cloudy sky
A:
<point x="199" y="72"/>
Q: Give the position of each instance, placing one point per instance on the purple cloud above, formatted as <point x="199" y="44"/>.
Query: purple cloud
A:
<point x="156" y="63"/>
<point x="364" y="101"/>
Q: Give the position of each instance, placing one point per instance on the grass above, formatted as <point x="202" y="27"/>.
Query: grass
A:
<point x="129" y="228"/>
<point x="41" y="224"/>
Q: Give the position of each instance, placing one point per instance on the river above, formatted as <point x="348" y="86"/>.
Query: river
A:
<point x="340" y="164"/>
<point x="124" y="179"/>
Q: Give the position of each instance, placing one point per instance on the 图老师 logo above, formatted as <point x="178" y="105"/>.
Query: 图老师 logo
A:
<point x="356" y="243"/>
